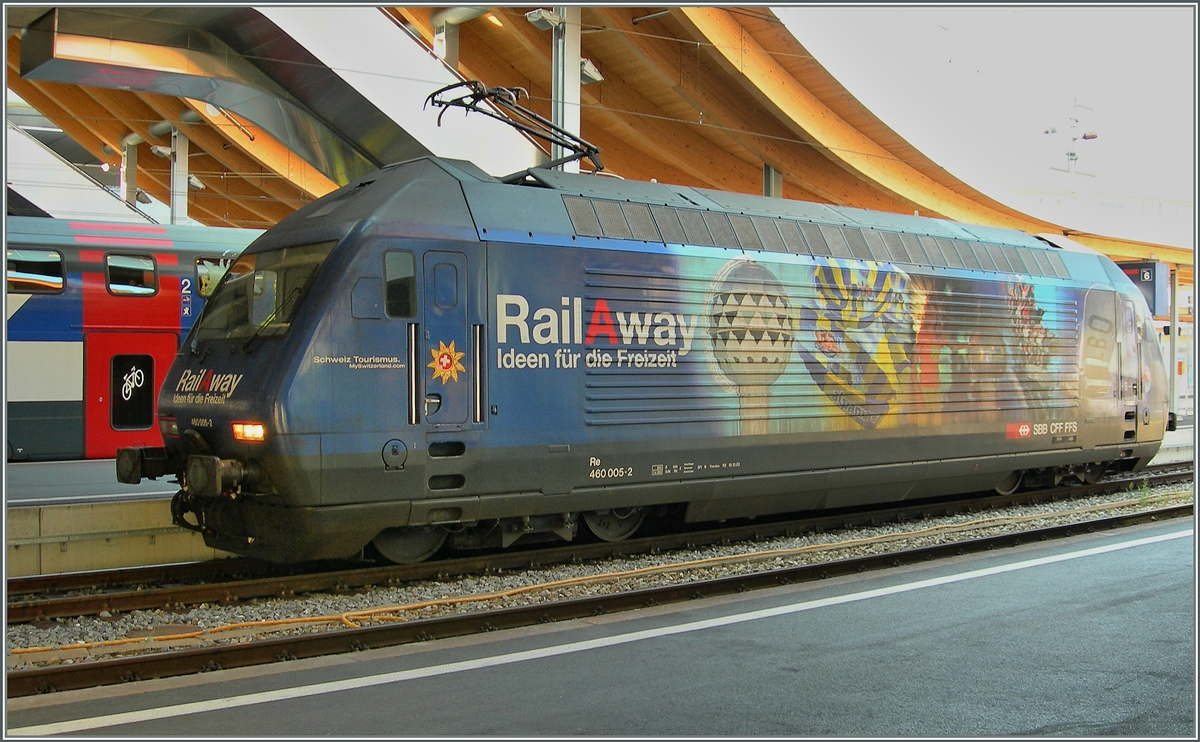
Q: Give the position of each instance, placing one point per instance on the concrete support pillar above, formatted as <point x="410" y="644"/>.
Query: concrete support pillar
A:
<point x="772" y="182"/>
<point x="179" y="177"/>
<point x="565" y="78"/>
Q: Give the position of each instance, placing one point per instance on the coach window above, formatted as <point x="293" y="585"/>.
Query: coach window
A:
<point x="400" y="278"/>
<point x="132" y="392"/>
<point x="208" y="272"/>
<point x="34" y="272"/>
<point x="131" y="275"/>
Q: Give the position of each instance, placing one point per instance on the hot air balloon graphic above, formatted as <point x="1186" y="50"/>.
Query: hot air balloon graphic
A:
<point x="751" y="331"/>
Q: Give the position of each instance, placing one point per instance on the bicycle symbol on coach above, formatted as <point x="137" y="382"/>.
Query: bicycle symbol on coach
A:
<point x="133" y="380"/>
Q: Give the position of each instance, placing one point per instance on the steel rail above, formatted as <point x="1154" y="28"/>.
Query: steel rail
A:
<point x="184" y="662"/>
<point x="288" y="584"/>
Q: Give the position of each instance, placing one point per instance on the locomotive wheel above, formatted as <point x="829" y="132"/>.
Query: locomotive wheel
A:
<point x="1011" y="483"/>
<point x="614" y="525"/>
<point x="410" y="545"/>
<point x="1093" y="473"/>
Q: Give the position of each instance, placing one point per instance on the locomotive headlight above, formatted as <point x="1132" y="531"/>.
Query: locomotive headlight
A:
<point x="249" y="432"/>
<point x="169" y="426"/>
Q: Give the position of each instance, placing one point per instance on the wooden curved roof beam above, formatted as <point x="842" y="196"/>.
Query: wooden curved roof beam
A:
<point x="632" y="147"/>
<point x="135" y="115"/>
<point x="267" y="152"/>
<point x="809" y="117"/>
<point x="620" y="111"/>
<point x="703" y="91"/>
<point x="227" y="161"/>
<point x="251" y="179"/>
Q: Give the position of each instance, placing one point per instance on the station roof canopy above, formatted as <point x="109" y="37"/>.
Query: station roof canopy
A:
<point x="701" y="96"/>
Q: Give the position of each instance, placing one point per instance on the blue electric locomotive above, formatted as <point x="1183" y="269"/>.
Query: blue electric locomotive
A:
<point x="432" y="353"/>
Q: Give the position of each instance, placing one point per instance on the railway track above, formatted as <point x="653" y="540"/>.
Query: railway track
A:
<point x="229" y="581"/>
<point x="182" y="662"/>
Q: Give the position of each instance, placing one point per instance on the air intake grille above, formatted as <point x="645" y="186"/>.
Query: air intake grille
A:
<point x="654" y="223"/>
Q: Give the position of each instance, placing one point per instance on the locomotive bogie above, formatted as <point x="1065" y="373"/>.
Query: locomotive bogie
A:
<point x="503" y="361"/>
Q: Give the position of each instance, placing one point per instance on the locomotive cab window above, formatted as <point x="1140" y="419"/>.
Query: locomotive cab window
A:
<point x="262" y="293"/>
<point x="131" y="275"/>
<point x="399" y="275"/>
<point x="132" y="392"/>
<point x="264" y="302"/>
<point x="34" y="271"/>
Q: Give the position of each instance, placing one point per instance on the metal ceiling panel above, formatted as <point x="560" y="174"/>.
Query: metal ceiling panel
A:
<point x="108" y="48"/>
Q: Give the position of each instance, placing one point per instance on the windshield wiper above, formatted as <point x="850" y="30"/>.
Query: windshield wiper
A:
<point x="279" y="309"/>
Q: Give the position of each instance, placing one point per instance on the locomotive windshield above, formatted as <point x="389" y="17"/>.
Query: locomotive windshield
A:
<point x="261" y="293"/>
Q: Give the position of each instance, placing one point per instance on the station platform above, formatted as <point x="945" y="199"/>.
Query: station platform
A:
<point x="1178" y="446"/>
<point x="72" y="516"/>
<point x="32" y="484"/>
<point x="1085" y="636"/>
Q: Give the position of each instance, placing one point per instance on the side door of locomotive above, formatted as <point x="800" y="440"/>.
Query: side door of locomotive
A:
<point x="1132" y="391"/>
<point x="451" y="368"/>
<point x="451" y="362"/>
<point x="447" y="379"/>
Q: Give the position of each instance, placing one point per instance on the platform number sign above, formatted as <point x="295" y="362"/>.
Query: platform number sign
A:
<point x="132" y="392"/>
<point x="1152" y="277"/>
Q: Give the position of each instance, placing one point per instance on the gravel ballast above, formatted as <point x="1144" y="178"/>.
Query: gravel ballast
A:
<point x="208" y="624"/>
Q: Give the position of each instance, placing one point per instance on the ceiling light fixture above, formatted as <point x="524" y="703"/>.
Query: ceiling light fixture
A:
<point x="588" y="72"/>
<point x="544" y="19"/>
